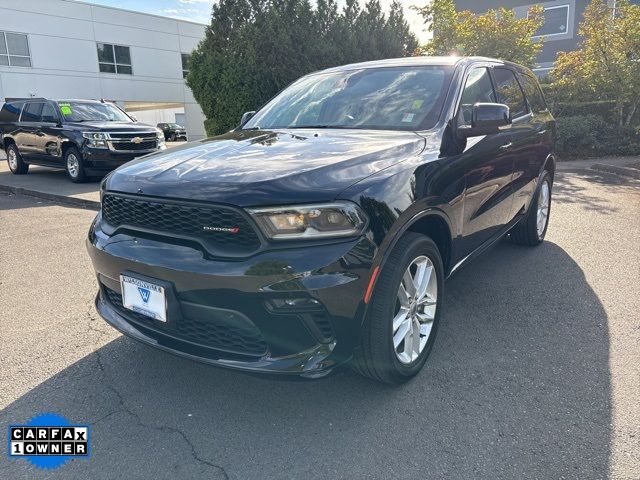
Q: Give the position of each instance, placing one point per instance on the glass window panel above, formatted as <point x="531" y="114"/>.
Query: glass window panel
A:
<point x="533" y="93"/>
<point x="185" y="61"/>
<point x="107" y="68"/>
<point x="105" y="53"/>
<point x="556" y="21"/>
<point x="125" y="69"/>
<point x="3" y="45"/>
<point x="4" y="60"/>
<point x="509" y="92"/>
<point x="20" y="61"/>
<point x="48" y="114"/>
<point x="17" y="44"/>
<point x="10" y="112"/>
<point x="478" y="88"/>
<point x="31" y="112"/>
<point x="123" y="55"/>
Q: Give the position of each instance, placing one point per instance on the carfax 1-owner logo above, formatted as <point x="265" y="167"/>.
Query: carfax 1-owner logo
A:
<point x="48" y="441"/>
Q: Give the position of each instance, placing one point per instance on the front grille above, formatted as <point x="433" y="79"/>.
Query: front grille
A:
<point x="242" y="340"/>
<point x="130" y="135"/>
<point x="184" y="219"/>
<point x="132" y="147"/>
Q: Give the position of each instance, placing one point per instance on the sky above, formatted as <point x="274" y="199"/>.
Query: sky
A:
<point x="200" y="10"/>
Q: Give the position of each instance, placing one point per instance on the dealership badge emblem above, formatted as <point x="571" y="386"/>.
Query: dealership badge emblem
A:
<point x="145" y="293"/>
<point x="136" y="140"/>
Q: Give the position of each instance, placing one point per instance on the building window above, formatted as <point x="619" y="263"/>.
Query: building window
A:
<point x="114" y="59"/>
<point x="14" y="50"/>
<point x="185" y="64"/>
<point x="556" y="21"/>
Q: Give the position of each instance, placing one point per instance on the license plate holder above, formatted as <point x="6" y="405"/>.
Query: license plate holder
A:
<point x="144" y="297"/>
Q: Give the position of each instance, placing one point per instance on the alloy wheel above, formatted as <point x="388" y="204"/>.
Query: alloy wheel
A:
<point x="73" y="165"/>
<point x="415" y="309"/>
<point x="12" y="158"/>
<point x="542" y="215"/>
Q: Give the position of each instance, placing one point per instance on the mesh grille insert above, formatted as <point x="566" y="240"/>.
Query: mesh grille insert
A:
<point x="184" y="219"/>
<point x="241" y="340"/>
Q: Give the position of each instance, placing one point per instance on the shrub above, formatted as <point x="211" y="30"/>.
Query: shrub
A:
<point x="591" y="135"/>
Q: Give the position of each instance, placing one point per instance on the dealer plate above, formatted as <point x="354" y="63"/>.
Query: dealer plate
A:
<point x="143" y="297"/>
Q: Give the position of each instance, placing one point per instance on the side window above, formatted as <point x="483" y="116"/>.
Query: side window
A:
<point x="31" y="112"/>
<point x="48" y="114"/>
<point x="509" y="91"/>
<point x="533" y="93"/>
<point x="478" y="88"/>
<point x="10" y="112"/>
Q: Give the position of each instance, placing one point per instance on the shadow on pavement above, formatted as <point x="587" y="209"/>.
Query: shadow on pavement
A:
<point x="571" y="186"/>
<point x="518" y="386"/>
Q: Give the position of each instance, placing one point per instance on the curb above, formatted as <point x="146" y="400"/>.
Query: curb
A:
<point x="624" y="171"/>
<point x="76" y="202"/>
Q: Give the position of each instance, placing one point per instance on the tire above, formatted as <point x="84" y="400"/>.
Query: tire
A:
<point x="526" y="232"/>
<point x="172" y="137"/>
<point x="14" y="160"/>
<point x="377" y="357"/>
<point x="74" y="165"/>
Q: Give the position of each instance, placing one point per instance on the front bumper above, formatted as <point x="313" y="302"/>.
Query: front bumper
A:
<point x="102" y="160"/>
<point x="231" y="313"/>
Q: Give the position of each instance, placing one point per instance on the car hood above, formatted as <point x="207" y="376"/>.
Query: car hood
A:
<point x="250" y="168"/>
<point x="111" y="126"/>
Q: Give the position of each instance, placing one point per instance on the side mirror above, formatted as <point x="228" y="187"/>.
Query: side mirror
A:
<point x="486" y="119"/>
<point x="246" y="116"/>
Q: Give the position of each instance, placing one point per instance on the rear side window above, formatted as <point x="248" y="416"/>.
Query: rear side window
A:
<point x="509" y="92"/>
<point x="533" y="93"/>
<point x="31" y="112"/>
<point x="48" y="114"/>
<point x="10" y="112"/>
<point x="477" y="89"/>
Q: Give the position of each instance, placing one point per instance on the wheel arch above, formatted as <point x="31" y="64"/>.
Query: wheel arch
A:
<point x="433" y="223"/>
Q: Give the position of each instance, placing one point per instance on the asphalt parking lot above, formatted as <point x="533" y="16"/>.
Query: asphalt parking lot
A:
<point x="535" y="373"/>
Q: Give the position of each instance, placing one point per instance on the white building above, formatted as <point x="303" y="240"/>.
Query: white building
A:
<point x="70" y="49"/>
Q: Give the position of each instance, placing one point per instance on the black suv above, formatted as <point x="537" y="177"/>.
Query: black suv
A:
<point x="85" y="137"/>
<point x="320" y="232"/>
<point x="173" y="131"/>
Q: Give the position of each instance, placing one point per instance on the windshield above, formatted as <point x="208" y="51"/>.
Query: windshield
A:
<point x="397" y="98"/>
<point x="175" y="125"/>
<point x="91" y="112"/>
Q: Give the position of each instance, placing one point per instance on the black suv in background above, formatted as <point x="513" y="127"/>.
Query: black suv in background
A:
<point x="85" y="137"/>
<point x="173" y="131"/>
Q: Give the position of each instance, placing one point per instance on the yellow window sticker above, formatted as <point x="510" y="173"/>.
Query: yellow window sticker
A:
<point x="416" y="104"/>
<point x="65" y="109"/>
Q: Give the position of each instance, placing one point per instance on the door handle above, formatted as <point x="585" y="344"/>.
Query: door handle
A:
<point x="506" y="146"/>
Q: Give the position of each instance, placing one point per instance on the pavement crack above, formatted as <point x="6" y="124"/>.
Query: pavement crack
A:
<point x="163" y="428"/>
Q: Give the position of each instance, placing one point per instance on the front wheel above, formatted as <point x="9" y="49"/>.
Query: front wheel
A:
<point x="400" y="329"/>
<point x="14" y="159"/>
<point x="74" y="165"/>
<point x="532" y="229"/>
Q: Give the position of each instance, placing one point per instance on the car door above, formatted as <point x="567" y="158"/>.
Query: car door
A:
<point x="26" y="137"/>
<point x="488" y="166"/>
<point x="534" y="149"/>
<point x="48" y="135"/>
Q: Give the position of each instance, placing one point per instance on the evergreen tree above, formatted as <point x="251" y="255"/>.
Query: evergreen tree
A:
<point x="255" y="48"/>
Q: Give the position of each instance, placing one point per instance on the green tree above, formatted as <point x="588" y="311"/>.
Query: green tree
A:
<point x="606" y="65"/>
<point x="255" y="48"/>
<point x="496" y="33"/>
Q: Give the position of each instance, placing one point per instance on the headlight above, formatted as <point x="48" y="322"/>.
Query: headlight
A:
<point x="96" y="139"/>
<point x="340" y="219"/>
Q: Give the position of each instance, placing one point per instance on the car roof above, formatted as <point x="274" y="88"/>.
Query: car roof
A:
<point x="417" y="62"/>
